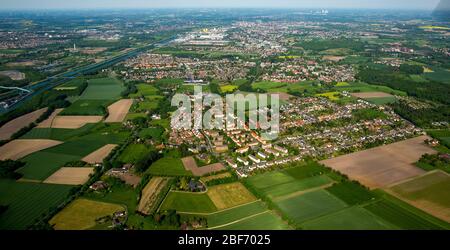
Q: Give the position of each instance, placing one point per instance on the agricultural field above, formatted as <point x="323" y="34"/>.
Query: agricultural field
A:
<point x="100" y="154"/>
<point x="229" y="195"/>
<point x="384" y="165"/>
<point x="11" y="127"/>
<point x="190" y="165"/>
<point x="168" y="166"/>
<point x="86" y="107"/>
<point x="238" y="213"/>
<point x="74" y="122"/>
<point x="28" y="201"/>
<point x="311" y="196"/>
<point x="70" y="176"/>
<point x="145" y="90"/>
<point x="151" y="133"/>
<point x="228" y="88"/>
<point x="152" y="194"/>
<point x="428" y="192"/>
<point x="263" y="221"/>
<point x="133" y="152"/>
<point x="118" y="110"/>
<point x="379" y="98"/>
<point x="185" y="202"/>
<point x="103" y="89"/>
<point x="353" y="218"/>
<point x="82" y="214"/>
<point x="333" y="96"/>
<point x="47" y="123"/>
<point x="19" y="148"/>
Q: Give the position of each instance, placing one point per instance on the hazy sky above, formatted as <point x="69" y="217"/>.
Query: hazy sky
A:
<point x="383" y="4"/>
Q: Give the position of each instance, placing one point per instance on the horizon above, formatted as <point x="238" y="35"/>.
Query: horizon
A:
<point x="9" y="5"/>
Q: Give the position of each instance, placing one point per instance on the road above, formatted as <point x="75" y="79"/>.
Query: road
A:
<point x="59" y="79"/>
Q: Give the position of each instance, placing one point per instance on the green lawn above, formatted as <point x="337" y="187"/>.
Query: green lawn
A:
<point x="188" y="202"/>
<point x="28" y="201"/>
<point x="168" y="166"/>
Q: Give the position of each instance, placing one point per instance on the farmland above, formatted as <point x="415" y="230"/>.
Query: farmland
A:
<point x="428" y="192"/>
<point x="82" y="214"/>
<point x="188" y="202"/>
<point x="381" y="166"/>
<point x="229" y="195"/>
<point x="8" y="129"/>
<point x="70" y="176"/>
<point x="17" y="149"/>
<point x="168" y="166"/>
<point x="133" y="152"/>
<point x="102" y="89"/>
<point x="28" y="201"/>
<point x="311" y="196"/>
<point x="152" y="194"/>
<point x="118" y="110"/>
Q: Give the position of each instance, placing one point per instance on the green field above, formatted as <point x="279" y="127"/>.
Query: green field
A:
<point x="404" y="216"/>
<point x="168" y="166"/>
<point x="364" y="87"/>
<point x="381" y="100"/>
<point x="145" y="90"/>
<point x="188" y="202"/>
<point x="81" y="214"/>
<point x="59" y="134"/>
<point x="38" y="169"/>
<point x="87" y="107"/>
<point x="103" y="89"/>
<point x="351" y="193"/>
<point x="234" y="214"/>
<point x="74" y="149"/>
<point x="439" y="75"/>
<point x="310" y="205"/>
<point x="264" y="221"/>
<point x="228" y="88"/>
<point x="133" y="152"/>
<point x="28" y="201"/>
<point x="151" y="133"/>
<point x="354" y="218"/>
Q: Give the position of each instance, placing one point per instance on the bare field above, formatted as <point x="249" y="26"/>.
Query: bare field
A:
<point x="7" y="130"/>
<point x="428" y="192"/>
<point x="118" y="110"/>
<point x="17" y="149"/>
<point x="74" y="122"/>
<point x="70" y="176"/>
<point x="334" y="58"/>
<point x="49" y="121"/>
<point x="384" y="165"/>
<point x="100" y="154"/>
<point x="190" y="165"/>
<point x="150" y="194"/>
<point x="371" y="95"/>
<point x="214" y="177"/>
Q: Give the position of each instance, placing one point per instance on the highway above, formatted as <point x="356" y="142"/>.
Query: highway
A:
<point x="59" y="79"/>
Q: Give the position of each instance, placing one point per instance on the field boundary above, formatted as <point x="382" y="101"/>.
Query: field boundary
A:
<point x="218" y="211"/>
<point x="236" y="221"/>
<point x="301" y="192"/>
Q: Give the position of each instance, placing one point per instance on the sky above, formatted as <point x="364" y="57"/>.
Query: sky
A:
<point x="83" y="4"/>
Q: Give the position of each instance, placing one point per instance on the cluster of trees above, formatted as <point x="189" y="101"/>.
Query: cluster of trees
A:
<point x="422" y="117"/>
<point x="411" y="69"/>
<point x="367" y="114"/>
<point x="8" y="168"/>
<point x="130" y="88"/>
<point x="393" y="78"/>
<point x="167" y="218"/>
<point x="143" y="163"/>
